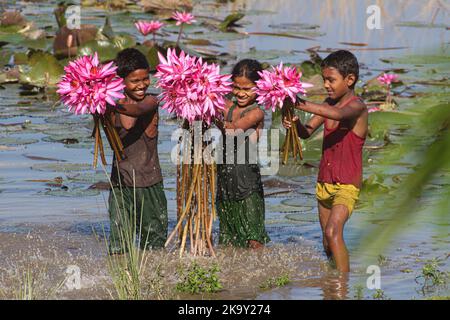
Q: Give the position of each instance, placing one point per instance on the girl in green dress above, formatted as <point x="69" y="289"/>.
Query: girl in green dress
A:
<point x="240" y="195"/>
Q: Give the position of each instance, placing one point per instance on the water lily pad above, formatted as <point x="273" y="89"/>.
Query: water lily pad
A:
<point x="45" y="70"/>
<point x="265" y="54"/>
<point x="16" y="141"/>
<point x="89" y="177"/>
<point x="61" y="167"/>
<point x="302" y="217"/>
<point x="230" y="21"/>
<point x="72" y="192"/>
<point x="105" y="49"/>
<point x="301" y="204"/>
<point x="418" y="24"/>
<point x="220" y="36"/>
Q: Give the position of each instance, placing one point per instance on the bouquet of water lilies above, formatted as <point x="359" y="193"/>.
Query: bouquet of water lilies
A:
<point x="86" y="88"/>
<point x="274" y="87"/>
<point x="194" y="91"/>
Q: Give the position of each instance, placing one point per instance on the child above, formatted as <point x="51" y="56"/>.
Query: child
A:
<point x="345" y="118"/>
<point x="137" y="179"/>
<point x="240" y="195"/>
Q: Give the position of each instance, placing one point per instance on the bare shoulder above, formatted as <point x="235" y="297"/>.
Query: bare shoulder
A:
<point x="358" y="103"/>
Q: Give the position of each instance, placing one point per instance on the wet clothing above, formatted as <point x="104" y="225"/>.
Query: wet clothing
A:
<point x="341" y="155"/>
<point x="141" y="153"/>
<point x="340" y="169"/>
<point x="139" y="173"/>
<point x="330" y="195"/>
<point x="148" y="219"/>
<point x="240" y="194"/>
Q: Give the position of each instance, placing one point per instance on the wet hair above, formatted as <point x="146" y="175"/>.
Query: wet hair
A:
<point x="344" y="61"/>
<point x="129" y="60"/>
<point x="247" y="68"/>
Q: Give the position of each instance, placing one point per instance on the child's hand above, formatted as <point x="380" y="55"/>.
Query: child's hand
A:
<point x="287" y="124"/>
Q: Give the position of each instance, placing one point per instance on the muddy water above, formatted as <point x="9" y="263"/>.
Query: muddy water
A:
<point x="51" y="216"/>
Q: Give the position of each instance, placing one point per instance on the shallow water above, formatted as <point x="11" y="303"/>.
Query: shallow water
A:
<point x="51" y="217"/>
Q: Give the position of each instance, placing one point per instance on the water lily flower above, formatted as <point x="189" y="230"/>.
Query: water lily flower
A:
<point x="183" y="17"/>
<point x="387" y="78"/>
<point x="192" y="89"/>
<point x="146" y="27"/>
<point x="278" y="84"/>
<point x="88" y="86"/>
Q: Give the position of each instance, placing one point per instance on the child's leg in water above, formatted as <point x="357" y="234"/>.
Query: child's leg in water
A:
<point x="324" y="215"/>
<point x="334" y="234"/>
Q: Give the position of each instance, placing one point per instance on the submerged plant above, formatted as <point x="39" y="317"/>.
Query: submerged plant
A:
<point x="199" y="280"/>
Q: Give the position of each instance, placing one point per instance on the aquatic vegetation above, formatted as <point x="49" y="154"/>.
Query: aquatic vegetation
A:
<point x="387" y="80"/>
<point x="127" y="269"/>
<point x="182" y="18"/>
<point x="88" y="86"/>
<point x="146" y="27"/>
<point x="197" y="279"/>
<point x="432" y="277"/>
<point x="359" y="292"/>
<point x="380" y="295"/>
<point x="192" y="89"/>
<point x="279" y="84"/>
<point x="276" y="282"/>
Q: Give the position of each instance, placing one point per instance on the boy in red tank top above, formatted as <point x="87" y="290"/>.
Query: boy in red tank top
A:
<point x="345" y="120"/>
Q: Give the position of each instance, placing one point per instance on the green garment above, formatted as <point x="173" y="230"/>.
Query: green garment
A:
<point x="151" y="220"/>
<point x="242" y="220"/>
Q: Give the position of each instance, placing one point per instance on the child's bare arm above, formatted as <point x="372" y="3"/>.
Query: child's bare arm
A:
<point x="350" y="111"/>
<point x="251" y="120"/>
<point x="148" y="105"/>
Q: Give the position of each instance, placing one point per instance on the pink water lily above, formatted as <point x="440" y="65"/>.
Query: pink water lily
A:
<point x="278" y="84"/>
<point x="388" y="78"/>
<point x="192" y="89"/>
<point x="183" y="17"/>
<point x="88" y="86"/>
<point x="146" y="27"/>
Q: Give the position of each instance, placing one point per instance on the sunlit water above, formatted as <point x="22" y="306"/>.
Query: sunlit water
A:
<point x="64" y="215"/>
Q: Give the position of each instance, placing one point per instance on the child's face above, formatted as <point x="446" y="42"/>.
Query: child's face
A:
<point x="243" y="91"/>
<point x="335" y="84"/>
<point x="136" y="84"/>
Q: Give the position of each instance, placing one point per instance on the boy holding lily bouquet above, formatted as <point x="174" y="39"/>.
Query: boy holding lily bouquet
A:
<point x="345" y="120"/>
<point x="137" y="179"/>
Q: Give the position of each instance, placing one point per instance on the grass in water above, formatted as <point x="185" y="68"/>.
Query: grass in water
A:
<point x="127" y="269"/>
<point x="276" y="282"/>
<point x="431" y="277"/>
<point x="199" y="280"/>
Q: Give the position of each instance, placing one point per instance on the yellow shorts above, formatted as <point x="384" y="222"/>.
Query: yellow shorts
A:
<point x="330" y="195"/>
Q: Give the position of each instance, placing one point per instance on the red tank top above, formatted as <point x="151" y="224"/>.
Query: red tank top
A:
<point x="341" y="155"/>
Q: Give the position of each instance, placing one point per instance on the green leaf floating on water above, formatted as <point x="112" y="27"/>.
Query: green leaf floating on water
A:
<point x="72" y="192"/>
<point x="42" y="63"/>
<point x="105" y="49"/>
<point x="230" y="21"/>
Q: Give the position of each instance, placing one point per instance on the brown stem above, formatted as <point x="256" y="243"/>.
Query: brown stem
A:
<point x="96" y="134"/>
<point x="110" y="138"/>
<point x="188" y="204"/>
<point x="100" y="144"/>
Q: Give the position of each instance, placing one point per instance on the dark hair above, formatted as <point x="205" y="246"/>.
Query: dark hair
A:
<point x="129" y="60"/>
<point x="247" y="68"/>
<point x="344" y="61"/>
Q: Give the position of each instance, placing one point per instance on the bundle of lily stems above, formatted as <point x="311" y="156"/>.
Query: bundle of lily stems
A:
<point x="274" y="87"/>
<point x="194" y="91"/>
<point x="88" y="87"/>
